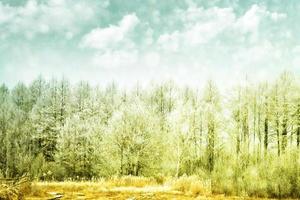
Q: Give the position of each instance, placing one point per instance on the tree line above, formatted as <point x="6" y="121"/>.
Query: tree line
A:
<point x="57" y="130"/>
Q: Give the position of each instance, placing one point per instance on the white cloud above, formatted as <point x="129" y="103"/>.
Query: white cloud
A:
<point x="170" y="41"/>
<point x="115" y="59"/>
<point x="200" y="26"/>
<point x="208" y="43"/>
<point x="295" y="60"/>
<point x="59" y="16"/>
<point x="259" y="60"/>
<point x="203" y="31"/>
<point x="112" y="36"/>
<point x="148" y="37"/>
<point x="128" y="22"/>
<point x="114" y="48"/>
<point x="277" y="16"/>
<point x="251" y="20"/>
<point x="204" y="25"/>
<point x="6" y="13"/>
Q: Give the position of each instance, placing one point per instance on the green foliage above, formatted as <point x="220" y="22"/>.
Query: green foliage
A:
<point x="75" y="150"/>
<point x="134" y="134"/>
<point x="244" y="143"/>
<point x="272" y="177"/>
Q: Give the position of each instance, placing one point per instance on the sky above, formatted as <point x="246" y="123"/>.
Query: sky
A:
<point x="144" y="41"/>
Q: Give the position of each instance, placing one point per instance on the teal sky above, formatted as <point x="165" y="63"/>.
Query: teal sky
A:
<point x="133" y="41"/>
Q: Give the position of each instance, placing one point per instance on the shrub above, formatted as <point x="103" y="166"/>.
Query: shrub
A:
<point x="200" y="187"/>
<point x="253" y="183"/>
<point x="226" y="178"/>
<point x="283" y="176"/>
<point x="183" y="183"/>
<point x="160" y="179"/>
<point x="54" y="171"/>
<point x="191" y="185"/>
<point x="273" y="176"/>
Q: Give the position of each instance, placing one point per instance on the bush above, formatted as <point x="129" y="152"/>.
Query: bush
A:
<point x="253" y="183"/>
<point x="191" y="185"/>
<point x="160" y="179"/>
<point x="36" y="169"/>
<point x="226" y="178"/>
<point x="54" y="171"/>
<point x="273" y="176"/>
<point x="283" y="176"/>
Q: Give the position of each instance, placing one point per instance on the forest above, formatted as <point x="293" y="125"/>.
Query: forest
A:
<point x="243" y="140"/>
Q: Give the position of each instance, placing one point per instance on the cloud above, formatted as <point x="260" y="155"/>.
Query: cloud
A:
<point x="295" y="60"/>
<point x="112" y="36"/>
<point x="115" y="59"/>
<point x="170" y="42"/>
<point x="264" y="54"/>
<point x="184" y="42"/>
<point x="113" y="47"/>
<point x="53" y="16"/>
<point x="216" y="20"/>
<point x="251" y="20"/>
<point x="202" y="26"/>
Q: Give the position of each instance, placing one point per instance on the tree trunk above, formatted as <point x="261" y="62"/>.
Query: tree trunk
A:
<point x="298" y="136"/>
<point x="284" y="136"/>
<point x="121" y="164"/>
<point x="284" y="126"/>
<point x="211" y="146"/>
<point x="266" y="126"/>
<point x="298" y="125"/>
<point x="266" y="135"/>
<point x="178" y="158"/>
<point x="278" y="137"/>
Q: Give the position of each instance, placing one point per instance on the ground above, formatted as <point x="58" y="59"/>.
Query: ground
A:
<point x="97" y="190"/>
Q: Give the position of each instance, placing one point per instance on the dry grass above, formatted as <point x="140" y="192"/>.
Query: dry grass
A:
<point x="43" y="189"/>
<point x="14" y="190"/>
<point x="131" y="181"/>
<point x="8" y="192"/>
<point x="191" y="185"/>
<point x="184" y="188"/>
<point x="88" y="188"/>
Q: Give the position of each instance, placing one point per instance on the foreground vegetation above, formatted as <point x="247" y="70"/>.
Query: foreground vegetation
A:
<point x="243" y="142"/>
<point x="185" y="188"/>
<point x="126" y="187"/>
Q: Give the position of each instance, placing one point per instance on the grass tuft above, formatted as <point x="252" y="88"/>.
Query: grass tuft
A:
<point x="133" y="181"/>
<point x="191" y="185"/>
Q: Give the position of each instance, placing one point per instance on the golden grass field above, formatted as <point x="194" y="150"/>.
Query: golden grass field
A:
<point x="130" y="188"/>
